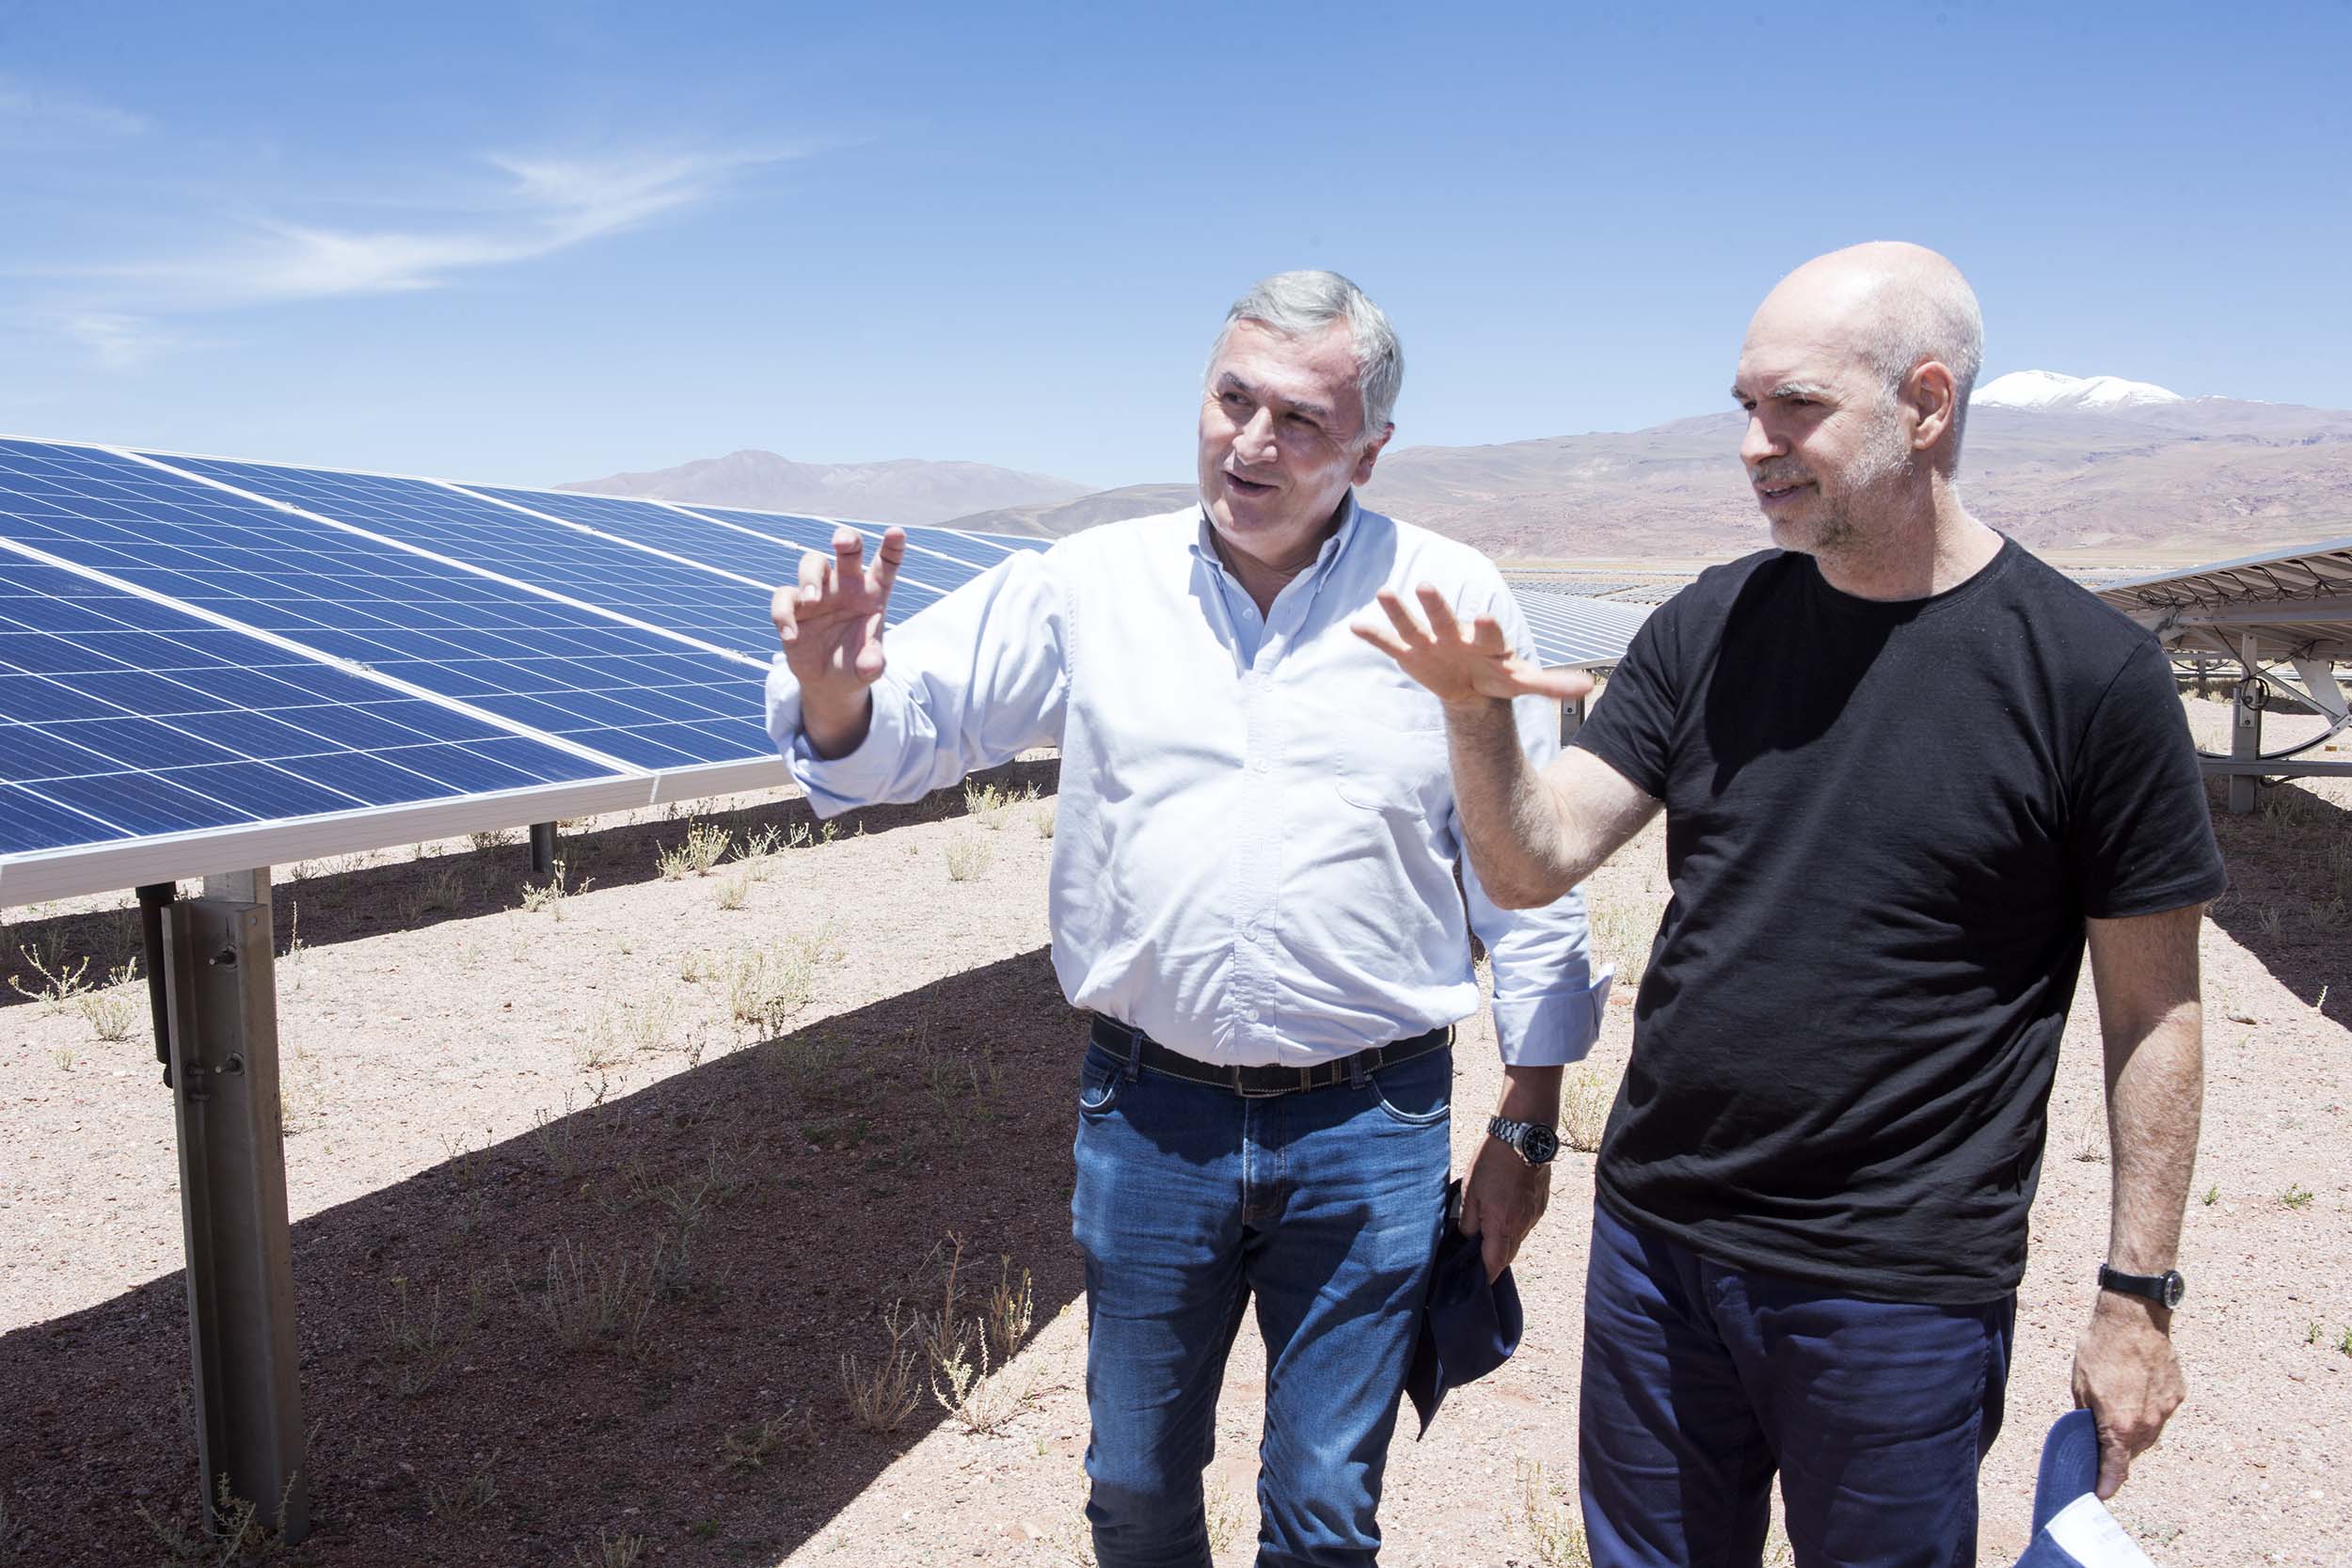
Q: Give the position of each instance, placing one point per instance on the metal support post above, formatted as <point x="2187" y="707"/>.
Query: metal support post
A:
<point x="153" y="898"/>
<point x="1572" y="719"/>
<point x="542" y="848"/>
<point x="2246" y="733"/>
<point x="222" y="1005"/>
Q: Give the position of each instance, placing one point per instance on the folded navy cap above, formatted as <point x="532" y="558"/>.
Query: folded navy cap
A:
<point x="2072" y="1528"/>
<point x="1468" y="1326"/>
<point x="2070" y="1466"/>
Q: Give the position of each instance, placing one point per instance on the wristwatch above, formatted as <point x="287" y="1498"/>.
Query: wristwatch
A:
<point x="2165" y="1290"/>
<point x="1531" y="1141"/>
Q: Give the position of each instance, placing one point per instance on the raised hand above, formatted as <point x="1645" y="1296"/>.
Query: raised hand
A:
<point x="1459" y="667"/>
<point x="831" y="625"/>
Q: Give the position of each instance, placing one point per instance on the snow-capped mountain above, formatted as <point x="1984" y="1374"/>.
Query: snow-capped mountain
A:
<point x="2049" y="390"/>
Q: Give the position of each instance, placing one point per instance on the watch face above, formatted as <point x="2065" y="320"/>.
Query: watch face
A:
<point x="1540" y="1145"/>
<point x="2174" y="1288"/>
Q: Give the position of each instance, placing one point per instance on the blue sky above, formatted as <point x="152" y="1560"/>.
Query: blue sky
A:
<point x="537" y="242"/>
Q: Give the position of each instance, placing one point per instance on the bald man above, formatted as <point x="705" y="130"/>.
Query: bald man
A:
<point x="1906" y="770"/>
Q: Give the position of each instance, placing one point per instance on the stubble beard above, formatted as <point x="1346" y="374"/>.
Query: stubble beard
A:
<point x="1845" y="524"/>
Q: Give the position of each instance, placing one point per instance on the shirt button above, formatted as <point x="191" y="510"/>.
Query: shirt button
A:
<point x="1251" y="1014"/>
<point x="1258" y="765"/>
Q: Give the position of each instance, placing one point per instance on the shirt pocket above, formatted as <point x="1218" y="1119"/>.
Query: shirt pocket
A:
<point x="1390" y="753"/>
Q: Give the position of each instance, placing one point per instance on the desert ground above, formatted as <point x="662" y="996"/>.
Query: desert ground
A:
<point x="628" y="1220"/>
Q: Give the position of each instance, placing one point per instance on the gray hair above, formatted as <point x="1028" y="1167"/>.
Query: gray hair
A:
<point x="1926" y="310"/>
<point x="1299" y="304"/>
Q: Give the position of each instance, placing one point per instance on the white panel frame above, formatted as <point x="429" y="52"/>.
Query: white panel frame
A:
<point x="47" y="874"/>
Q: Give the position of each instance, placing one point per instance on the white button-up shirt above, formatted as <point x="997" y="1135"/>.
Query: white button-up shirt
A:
<point x="1255" y="851"/>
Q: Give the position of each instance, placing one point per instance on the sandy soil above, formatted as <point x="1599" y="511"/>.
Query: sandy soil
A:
<point x="473" y="1086"/>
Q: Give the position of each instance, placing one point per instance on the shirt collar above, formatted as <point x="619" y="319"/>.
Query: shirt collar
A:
<point x="1204" y="542"/>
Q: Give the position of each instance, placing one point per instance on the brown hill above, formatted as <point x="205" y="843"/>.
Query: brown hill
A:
<point x="1051" y="520"/>
<point x="904" y="490"/>
<point x="2207" y="476"/>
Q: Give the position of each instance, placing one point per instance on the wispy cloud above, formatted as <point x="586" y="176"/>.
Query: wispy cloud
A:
<point x="547" y="204"/>
<point x="123" y="313"/>
<point x="118" y="342"/>
<point x="47" y="120"/>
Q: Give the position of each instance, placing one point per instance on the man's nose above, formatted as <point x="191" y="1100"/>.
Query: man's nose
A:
<point x="1255" y="444"/>
<point x="1759" y="444"/>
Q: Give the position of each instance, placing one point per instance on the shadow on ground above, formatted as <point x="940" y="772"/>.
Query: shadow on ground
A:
<point x="2290" y="896"/>
<point x="335" y="905"/>
<point x="761" y="1212"/>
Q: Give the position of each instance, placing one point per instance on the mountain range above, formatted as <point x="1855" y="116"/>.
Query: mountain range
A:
<point x="2098" y="466"/>
<point x="903" y="490"/>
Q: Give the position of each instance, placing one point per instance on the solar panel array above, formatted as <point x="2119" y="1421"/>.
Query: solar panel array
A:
<point x="1569" y="630"/>
<point x="125" y="715"/>
<point x="195" y="650"/>
<point x="2293" y="603"/>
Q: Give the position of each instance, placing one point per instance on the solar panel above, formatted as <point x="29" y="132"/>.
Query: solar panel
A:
<point x="720" y="596"/>
<point x="770" y="555"/>
<point x="1013" y="542"/>
<point x="929" y="569"/>
<point x="971" y="547"/>
<point x="648" y="697"/>
<point x="2293" y="603"/>
<point x="123" y="718"/>
<point x="1576" y="631"/>
<point x="202" y="652"/>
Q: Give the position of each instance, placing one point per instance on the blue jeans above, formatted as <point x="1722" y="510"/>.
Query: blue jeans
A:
<point x="1701" y="1380"/>
<point x="1326" y="1207"/>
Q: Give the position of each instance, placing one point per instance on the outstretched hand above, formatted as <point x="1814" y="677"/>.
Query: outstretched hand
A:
<point x="831" y="625"/>
<point x="1459" y="666"/>
<point x="831" y="620"/>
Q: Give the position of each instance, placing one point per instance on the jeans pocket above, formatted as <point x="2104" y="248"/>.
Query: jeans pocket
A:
<point x="1418" y="1093"/>
<point x="1099" y="1077"/>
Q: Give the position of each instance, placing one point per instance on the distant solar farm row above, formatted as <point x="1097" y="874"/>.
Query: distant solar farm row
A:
<point x="191" y="646"/>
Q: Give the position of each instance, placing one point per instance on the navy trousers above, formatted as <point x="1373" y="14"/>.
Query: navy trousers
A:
<point x="1702" y="1382"/>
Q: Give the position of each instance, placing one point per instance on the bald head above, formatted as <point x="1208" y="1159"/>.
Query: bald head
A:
<point x="1895" y="307"/>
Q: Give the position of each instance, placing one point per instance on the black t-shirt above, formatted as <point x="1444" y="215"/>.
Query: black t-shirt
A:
<point x="1886" y="823"/>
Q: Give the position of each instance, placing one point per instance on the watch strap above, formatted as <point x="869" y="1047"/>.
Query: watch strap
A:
<point x="2165" y="1290"/>
<point x="1519" y="1137"/>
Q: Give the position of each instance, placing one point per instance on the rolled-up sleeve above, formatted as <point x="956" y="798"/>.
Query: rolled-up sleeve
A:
<point x="1549" y="1002"/>
<point x="971" y="681"/>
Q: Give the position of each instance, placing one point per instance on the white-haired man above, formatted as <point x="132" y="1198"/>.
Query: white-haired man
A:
<point x="1905" y="767"/>
<point x="1253" y="889"/>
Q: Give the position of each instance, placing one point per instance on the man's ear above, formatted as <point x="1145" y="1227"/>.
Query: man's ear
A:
<point x="1371" y="455"/>
<point x="1933" y="397"/>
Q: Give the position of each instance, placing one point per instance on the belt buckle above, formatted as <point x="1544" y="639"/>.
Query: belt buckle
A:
<point x="1242" y="1087"/>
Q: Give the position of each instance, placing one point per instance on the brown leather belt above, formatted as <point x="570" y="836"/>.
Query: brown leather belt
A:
<point x="1257" y="1083"/>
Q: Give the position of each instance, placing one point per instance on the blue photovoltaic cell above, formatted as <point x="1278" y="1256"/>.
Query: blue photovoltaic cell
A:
<point x="703" y="538"/>
<point x="1011" y="542"/>
<point x="718" y="536"/>
<point x="921" y="567"/>
<point x="636" y="519"/>
<point x="1572" y="630"/>
<point x="684" y="597"/>
<point x="120" y="717"/>
<point x="644" y="698"/>
<point x="968" y="548"/>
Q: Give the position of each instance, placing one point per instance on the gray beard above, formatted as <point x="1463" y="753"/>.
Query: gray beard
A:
<point x="1887" y="460"/>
